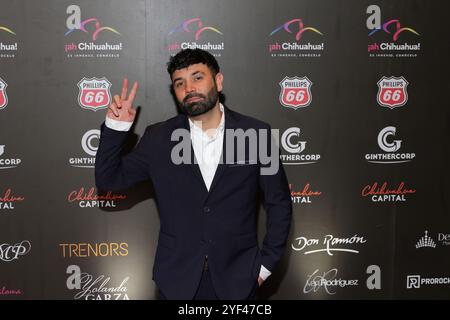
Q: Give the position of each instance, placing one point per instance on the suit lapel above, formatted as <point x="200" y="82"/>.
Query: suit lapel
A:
<point x="230" y="123"/>
<point x="194" y="167"/>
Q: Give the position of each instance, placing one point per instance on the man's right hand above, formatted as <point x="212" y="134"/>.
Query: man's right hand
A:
<point x="122" y="107"/>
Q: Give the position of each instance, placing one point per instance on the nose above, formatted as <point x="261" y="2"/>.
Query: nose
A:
<point x="189" y="88"/>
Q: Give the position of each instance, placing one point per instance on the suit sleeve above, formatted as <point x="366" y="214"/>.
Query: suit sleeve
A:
<point x="278" y="206"/>
<point x="115" y="171"/>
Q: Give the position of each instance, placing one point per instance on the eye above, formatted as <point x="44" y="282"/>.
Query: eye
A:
<point x="198" y="77"/>
<point x="178" y="84"/>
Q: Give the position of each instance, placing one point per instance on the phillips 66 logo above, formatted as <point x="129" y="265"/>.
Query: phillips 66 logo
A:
<point x="94" y="93"/>
<point x="295" y="92"/>
<point x="392" y="92"/>
<point x="3" y="96"/>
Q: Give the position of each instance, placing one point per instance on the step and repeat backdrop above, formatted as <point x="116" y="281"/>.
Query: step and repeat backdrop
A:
<point x="358" y="89"/>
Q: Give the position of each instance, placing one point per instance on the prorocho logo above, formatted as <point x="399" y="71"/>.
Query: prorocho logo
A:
<point x="417" y="281"/>
<point x="3" y="95"/>
<point x="387" y="143"/>
<point x="393" y="32"/>
<point x="94" y="31"/>
<point x="94" y="93"/>
<point x="392" y="92"/>
<point x="297" y="40"/>
<point x="196" y="33"/>
<point x="295" y="92"/>
<point x="7" y="49"/>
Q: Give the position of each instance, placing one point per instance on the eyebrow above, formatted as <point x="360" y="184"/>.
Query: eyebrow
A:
<point x="193" y="74"/>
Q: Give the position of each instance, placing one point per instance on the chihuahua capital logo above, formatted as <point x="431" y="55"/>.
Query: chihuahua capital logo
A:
<point x="295" y="29"/>
<point x="198" y="31"/>
<point x="94" y="28"/>
<point x="3" y="96"/>
<point x="94" y="93"/>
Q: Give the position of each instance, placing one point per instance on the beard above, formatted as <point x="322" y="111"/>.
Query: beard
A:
<point x="202" y="106"/>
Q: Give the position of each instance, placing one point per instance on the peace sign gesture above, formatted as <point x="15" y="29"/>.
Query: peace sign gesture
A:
<point x="122" y="107"/>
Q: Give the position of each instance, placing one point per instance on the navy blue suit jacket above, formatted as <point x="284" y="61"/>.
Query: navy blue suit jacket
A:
<point x="220" y="223"/>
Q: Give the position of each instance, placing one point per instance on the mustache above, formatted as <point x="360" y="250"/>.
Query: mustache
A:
<point x="193" y="95"/>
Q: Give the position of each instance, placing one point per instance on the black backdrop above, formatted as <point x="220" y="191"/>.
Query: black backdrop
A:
<point x="366" y="155"/>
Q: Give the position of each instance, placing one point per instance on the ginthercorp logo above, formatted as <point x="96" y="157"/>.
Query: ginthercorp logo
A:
<point x="293" y="149"/>
<point x="305" y="196"/>
<point x="88" y="198"/>
<point x="382" y="192"/>
<point x="8" y="200"/>
<point x="89" y="143"/>
<point x="393" y="33"/>
<point x="86" y="250"/>
<point x="196" y="33"/>
<point x="328" y="244"/>
<point x="94" y="93"/>
<point x="417" y="281"/>
<point x="425" y="242"/>
<point x="95" y="31"/>
<point x="99" y="287"/>
<point x="387" y="143"/>
<point x="7" y="49"/>
<point x="293" y="35"/>
<point x="392" y="92"/>
<point x="8" y="163"/>
<point x="11" y="252"/>
<point x="327" y="281"/>
<point x="295" y="92"/>
<point x="3" y="95"/>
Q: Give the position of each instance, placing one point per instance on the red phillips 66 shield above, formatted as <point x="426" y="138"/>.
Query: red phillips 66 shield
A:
<point x="3" y="96"/>
<point x="392" y="92"/>
<point x="94" y="93"/>
<point x="295" y="92"/>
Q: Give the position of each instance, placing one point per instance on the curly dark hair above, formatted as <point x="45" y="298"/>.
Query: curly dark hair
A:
<point x="187" y="57"/>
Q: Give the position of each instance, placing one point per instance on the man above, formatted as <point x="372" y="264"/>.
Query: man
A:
<point x="207" y="247"/>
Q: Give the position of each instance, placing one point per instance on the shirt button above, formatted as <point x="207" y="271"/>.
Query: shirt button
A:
<point x="206" y="209"/>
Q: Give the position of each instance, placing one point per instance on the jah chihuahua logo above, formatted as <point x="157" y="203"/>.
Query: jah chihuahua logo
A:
<point x="3" y="96"/>
<point x="94" y="93"/>
<point x="93" y="28"/>
<point x="295" y="92"/>
<point x="392" y="92"/>
<point x="198" y="29"/>
<point x="297" y="48"/>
